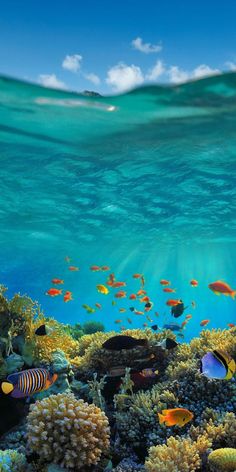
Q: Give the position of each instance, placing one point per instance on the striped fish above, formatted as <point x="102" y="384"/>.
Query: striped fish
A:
<point x="26" y="383"/>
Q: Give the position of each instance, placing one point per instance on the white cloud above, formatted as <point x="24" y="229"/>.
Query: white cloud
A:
<point x="147" y="48"/>
<point x="93" y="78"/>
<point x="154" y="73"/>
<point x="231" y="65"/>
<point x="203" y="71"/>
<point x="122" y="77"/>
<point x="72" y="63"/>
<point x="177" y="75"/>
<point x="51" y="80"/>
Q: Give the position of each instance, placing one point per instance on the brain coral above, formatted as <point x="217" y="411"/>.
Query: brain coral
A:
<point x="67" y="431"/>
<point x="223" y="459"/>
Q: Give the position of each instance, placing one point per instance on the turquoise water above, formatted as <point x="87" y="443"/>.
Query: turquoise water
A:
<point x="143" y="182"/>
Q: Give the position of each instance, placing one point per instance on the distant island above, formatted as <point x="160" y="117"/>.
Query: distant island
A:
<point x="89" y="93"/>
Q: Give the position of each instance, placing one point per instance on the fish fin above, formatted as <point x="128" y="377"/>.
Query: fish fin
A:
<point x="162" y="418"/>
<point x="233" y="294"/>
<point x="165" y="412"/>
<point x="216" y="293"/>
<point x="16" y="393"/>
<point x="171" y="423"/>
<point x="7" y="387"/>
<point x="13" y="378"/>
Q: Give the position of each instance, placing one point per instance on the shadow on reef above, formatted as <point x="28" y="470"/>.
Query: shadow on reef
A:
<point x="101" y="411"/>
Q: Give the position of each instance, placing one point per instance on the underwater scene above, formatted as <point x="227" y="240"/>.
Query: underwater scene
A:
<point x="118" y="284"/>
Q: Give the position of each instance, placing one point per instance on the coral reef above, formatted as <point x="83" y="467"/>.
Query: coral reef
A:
<point x="67" y="431"/>
<point x="12" y="461"/>
<point x="223" y="460"/>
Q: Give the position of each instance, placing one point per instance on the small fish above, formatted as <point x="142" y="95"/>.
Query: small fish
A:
<point x="53" y="292"/>
<point x="88" y="308"/>
<point x="165" y="282"/>
<point x="172" y="302"/>
<point x="113" y="303"/>
<point x="68" y="296"/>
<point x="172" y="327"/>
<point x="155" y="327"/>
<point x="129" y="320"/>
<point x="111" y="280"/>
<point x="95" y="268"/>
<point x="73" y="268"/>
<point x="168" y="344"/>
<point x="131" y="308"/>
<point x="120" y="294"/>
<point x="57" y="281"/>
<point x="149" y="372"/>
<point x="204" y="322"/>
<point x="119" y="284"/>
<point x="231" y="325"/>
<point x="180" y="335"/>
<point x="156" y="313"/>
<point x="193" y="303"/>
<point x="219" y="287"/>
<point x="102" y="289"/>
<point x="145" y="325"/>
<point x="194" y="283"/>
<point x="144" y="299"/>
<point x="105" y="268"/>
<point x="98" y="305"/>
<point x="122" y="310"/>
<point x="43" y="330"/>
<point x="169" y="290"/>
<point x="27" y="382"/>
<point x="141" y="292"/>
<point x="142" y="281"/>
<point x="132" y="296"/>
<point x="118" y="321"/>
<point x="137" y="276"/>
<point x="149" y="319"/>
<point x="218" y="365"/>
<point x="183" y="324"/>
<point x="188" y="317"/>
<point x="119" y="342"/>
<point x="137" y="312"/>
<point x="175" y="416"/>
<point x="148" y="306"/>
<point x="67" y="259"/>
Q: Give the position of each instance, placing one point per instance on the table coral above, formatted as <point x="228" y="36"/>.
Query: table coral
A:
<point x="223" y="460"/>
<point x="67" y="431"/>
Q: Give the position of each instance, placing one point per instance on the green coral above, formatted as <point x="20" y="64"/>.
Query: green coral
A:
<point x="12" y="461"/>
<point x="223" y="460"/>
<point x="91" y="327"/>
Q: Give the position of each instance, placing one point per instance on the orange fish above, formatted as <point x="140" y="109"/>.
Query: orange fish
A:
<point x="188" y="317"/>
<point x="144" y="299"/>
<point x="219" y="287"/>
<point x="53" y="292"/>
<point x="122" y="310"/>
<point x="172" y="302"/>
<point x="141" y="292"/>
<point x="95" y="268"/>
<point x="73" y="268"/>
<point x="118" y="321"/>
<point x="169" y="290"/>
<point x="111" y="280"/>
<point x="164" y="282"/>
<point x="132" y="296"/>
<point x="120" y="294"/>
<point x="194" y="283"/>
<point x="98" y="305"/>
<point x="183" y="323"/>
<point x="137" y="276"/>
<point x="204" y="322"/>
<point x="104" y="268"/>
<point x="137" y="312"/>
<point x="57" y="281"/>
<point x="231" y="325"/>
<point x="118" y="284"/>
<point x="175" y="416"/>
<point x="68" y="296"/>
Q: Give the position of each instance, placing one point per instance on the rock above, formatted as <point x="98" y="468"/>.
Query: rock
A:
<point x="59" y="362"/>
<point x="14" y="362"/>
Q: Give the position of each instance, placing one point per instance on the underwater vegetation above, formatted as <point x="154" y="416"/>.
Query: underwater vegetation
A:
<point x="101" y="401"/>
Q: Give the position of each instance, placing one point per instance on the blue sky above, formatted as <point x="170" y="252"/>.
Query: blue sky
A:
<point x="112" y="46"/>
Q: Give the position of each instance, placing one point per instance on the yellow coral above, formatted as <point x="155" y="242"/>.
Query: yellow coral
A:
<point x="223" y="459"/>
<point x="67" y="431"/>
<point x="179" y="455"/>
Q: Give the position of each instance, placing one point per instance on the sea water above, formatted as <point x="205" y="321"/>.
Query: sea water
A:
<point x="143" y="182"/>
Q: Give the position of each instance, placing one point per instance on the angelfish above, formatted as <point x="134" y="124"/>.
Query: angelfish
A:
<point x="27" y="382"/>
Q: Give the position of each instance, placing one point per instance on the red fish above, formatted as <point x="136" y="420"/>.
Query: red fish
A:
<point x="164" y="282"/>
<point x="120" y="294"/>
<point x="137" y="276"/>
<point x="132" y="296"/>
<point x="172" y="302"/>
<point x="104" y="268"/>
<point x="53" y="292"/>
<point x="98" y="305"/>
<point x="169" y="290"/>
<point x="57" y="281"/>
<point x="141" y="292"/>
<point x="68" y="296"/>
<point x="204" y="322"/>
<point x="118" y="321"/>
<point x="194" y="283"/>
<point x="73" y="268"/>
<point x="188" y="317"/>
<point x="118" y="284"/>
<point x="219" y="287"/>
<point x="144" y="299"/>
<point x="183" y="323"/>
<point x="95" y="268"/>
<point x="231" y="325"/>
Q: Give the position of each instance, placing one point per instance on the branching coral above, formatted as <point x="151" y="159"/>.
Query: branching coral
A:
<point x="67" y="431"/>
<point x="12" y="461"/>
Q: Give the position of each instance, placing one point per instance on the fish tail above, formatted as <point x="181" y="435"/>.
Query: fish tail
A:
<point x="162" y="418"/>
<point x="233" y="294"/>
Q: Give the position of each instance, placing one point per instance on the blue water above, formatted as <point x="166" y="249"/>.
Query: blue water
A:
<point x="142" y="182"/>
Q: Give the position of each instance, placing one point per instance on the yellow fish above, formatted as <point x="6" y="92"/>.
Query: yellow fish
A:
<point x="102" y="289"/>
<point x="176" y="416"/>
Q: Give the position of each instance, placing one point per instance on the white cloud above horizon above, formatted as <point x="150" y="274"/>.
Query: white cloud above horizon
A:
<point x="178" y="75"/>
<point x="157" y="70"/>
<point x="93" y="78"/>
<point x="231" y="65"/>
<point x="204" y="71"/>
<point x="146" y="48"/>
<point x="51" y="81"/>
<point x="122" y="77"/>
<point x="72" y="63"/>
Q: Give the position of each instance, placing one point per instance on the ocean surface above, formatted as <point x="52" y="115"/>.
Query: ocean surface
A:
<point x="143" y="182"/>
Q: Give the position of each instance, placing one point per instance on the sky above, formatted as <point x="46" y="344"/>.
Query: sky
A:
<point x="110" y="46"/>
